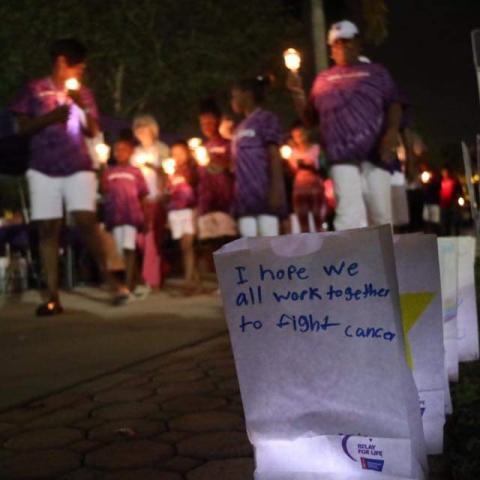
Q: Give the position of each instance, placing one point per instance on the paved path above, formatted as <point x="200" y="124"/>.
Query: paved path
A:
<point x="42" y="355"/>
<point x="174" y="417"/>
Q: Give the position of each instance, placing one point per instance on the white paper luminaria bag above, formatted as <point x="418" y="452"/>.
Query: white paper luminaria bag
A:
<point x="448" y="257"/>
<point x="316" y="331"/>
<point x="421" y="301"/>
<point x="467" y="319"/>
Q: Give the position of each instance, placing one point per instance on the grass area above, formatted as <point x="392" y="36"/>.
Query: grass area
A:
<point x="463" y="428"/>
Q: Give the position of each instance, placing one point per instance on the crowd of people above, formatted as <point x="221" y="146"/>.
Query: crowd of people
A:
<point x="246" y="179"/>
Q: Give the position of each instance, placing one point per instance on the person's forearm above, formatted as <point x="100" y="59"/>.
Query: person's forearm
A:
<point x="31" y="125"/>
<point x="91" y="128"/>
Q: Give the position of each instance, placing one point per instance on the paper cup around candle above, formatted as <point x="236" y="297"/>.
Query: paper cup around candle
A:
<point x="103" y="152"/>
<point x="169" y="166"/>
<point x="292" y="59"/>
<point x="72" y="84"/>
<point x="202" y="157"/>
<point x="194" y="143"/>
<point x="286" y="152"/>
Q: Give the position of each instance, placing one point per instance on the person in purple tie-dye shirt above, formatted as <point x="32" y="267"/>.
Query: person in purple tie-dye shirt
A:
<point x="259" y="198"/>
<point x="358" y="108"/>
<point x="60" y="169"/>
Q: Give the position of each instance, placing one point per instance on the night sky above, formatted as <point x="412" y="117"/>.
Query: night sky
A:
<point x="429" y="53"/>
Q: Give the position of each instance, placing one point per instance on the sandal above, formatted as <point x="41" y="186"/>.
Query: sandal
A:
<point x="121" y="297"/>
<point x="48" y="309"/>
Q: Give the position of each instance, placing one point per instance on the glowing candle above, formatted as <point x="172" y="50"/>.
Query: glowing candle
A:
<point x="72" y="84"/>
<point x="202" y="157"/>
<point x="292" y="59"/>
<point x="426" y="176"/>
<point x="194" y="143"/>
<point x="461" y="201"/>
<point x="169" y="166"/>
<point x="286" y="152"/>
<point x="103" y="152"/>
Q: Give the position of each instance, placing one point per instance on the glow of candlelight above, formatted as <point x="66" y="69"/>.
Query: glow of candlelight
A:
<point x="103" y="152"/>
<point x="461" y="201"/>
<point x="169" y="166"/>
<point x="194" y="143"/>
<point x="425" y="176"/>
<point x="292" y="59"/>
<point x="202" y="157"/>
<point x="286" y="152"/>
<point x="72" y="84"/>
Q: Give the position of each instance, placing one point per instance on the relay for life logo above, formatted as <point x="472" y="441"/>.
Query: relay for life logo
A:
<point x="371" y="457"/>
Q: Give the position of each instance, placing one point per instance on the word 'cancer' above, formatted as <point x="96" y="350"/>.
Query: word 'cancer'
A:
<point x="369" y="332"/>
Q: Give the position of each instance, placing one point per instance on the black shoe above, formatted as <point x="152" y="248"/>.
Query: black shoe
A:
<point x="49" y="309"/>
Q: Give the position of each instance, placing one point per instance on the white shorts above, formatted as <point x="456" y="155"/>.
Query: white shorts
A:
<point x="431" y="213"/>
<point x="363" y="196"/>
<point x="125" y="237"/>
<point x="181" y="223"/>
<point x="48" y="194"/>
<point x="216" y="225"/>
<point x="261" y="226"/>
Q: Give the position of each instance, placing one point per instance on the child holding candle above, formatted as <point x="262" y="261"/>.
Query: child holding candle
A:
<point x="215" y="180"/>
<point x="125" y="192"/>
<point x="181" y="214"/>
<point x="259" y="199"/>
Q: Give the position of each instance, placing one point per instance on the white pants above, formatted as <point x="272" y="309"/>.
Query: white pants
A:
<point x="125" y="237"/>
<point x="363" y="196"/>
<point x="260" y="226"/>
<point x="47" y="194"/>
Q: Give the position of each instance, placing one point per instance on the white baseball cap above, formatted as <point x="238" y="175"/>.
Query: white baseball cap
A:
<point x="342" y="30"/>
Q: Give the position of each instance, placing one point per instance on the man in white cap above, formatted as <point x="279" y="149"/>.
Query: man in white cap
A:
<point x="358" y="109"/>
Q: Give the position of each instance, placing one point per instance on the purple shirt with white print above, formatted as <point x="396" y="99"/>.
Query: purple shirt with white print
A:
<point x="251" y="159"/>
<point x="59" y="149"/>
<point x="124" y="188"/>
<point x="352" y="103"/>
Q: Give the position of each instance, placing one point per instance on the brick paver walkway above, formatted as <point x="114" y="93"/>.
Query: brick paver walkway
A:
<point x="175" y="417"/>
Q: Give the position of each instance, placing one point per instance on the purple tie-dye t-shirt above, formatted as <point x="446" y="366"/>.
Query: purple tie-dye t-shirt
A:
<point x="251" y="160"/>
<point x="351" y="103"/>
<point x="59" y="149"/>
<point x="124" y="187"/>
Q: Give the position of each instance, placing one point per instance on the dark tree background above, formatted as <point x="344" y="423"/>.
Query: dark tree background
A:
<point x="159" y="56"/>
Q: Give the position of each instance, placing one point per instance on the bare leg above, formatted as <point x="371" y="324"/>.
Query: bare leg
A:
<point x="189" y="261"/>
<point x="130" y="268"/>
<point x="87" y="223"/>
<point x="49" y="233"/>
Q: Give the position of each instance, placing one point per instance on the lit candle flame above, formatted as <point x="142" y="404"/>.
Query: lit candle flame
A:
<point x="103" y="152"/>
<point x="72" y="84"/>
<point x="194" y="143"/>
<point x="292" y="59"/>
<point x="202" y="157"/>
<point x="461" y="201"/>
<point x="286" y="152"/>
<point x="142" y="159"/>
<point x="169" y="166"/>
<point x="425" y="176"/>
